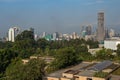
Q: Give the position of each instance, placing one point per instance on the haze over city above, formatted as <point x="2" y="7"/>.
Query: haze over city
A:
<point x="56" y="15"/>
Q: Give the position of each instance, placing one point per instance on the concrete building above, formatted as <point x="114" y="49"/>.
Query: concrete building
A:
<point x="36" y="37"/>
<point x="100" y="30"/>
<point x="74" y="35"/>
<point x="106" y="33"/>
<point x="111" y="44"/>
<point x="44" y="34"/>
<point x="111" y="33"/>
<point x="88" y="30"/>
<point x="47" y="59"/>
<point x="66" y="36"/>
<point x="12" y="33"/>
<point x="55" y="36"/>
<point x="83" y="34"/>
<point x="87" y="71"/>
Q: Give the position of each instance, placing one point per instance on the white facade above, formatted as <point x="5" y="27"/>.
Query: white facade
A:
<point x="111" y="33"/>
<point x="12" y="33"/>
<point x="44" y="34"/>
<point x="111" y="44"/>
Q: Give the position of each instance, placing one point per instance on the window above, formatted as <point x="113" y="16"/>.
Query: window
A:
<point x="89" y="79"/>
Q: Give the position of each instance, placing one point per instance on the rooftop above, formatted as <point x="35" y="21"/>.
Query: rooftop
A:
<point x="116" y="72"/>
<point x="100" y="66"/>
<point x="86" y="73"/>
<point x="89" y="69"/>
<point x="71" y="69"/>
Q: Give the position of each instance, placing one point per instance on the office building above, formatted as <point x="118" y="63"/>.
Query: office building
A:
<point x="55" y="36"/>
<point x="12" y="33"/>
<point x="83" y="34"/>
<point x="106" y="33"/>
<point x="44" y="34"/>
<point x="88" y="30"/>
<point x="100" y="30"/>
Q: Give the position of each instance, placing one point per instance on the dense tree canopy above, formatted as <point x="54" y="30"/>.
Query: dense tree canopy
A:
<point x="25" y="35"/>
<point x="118" y="49"/>
<point x="104" y="54"/>
<point x="6" y="55"/>
<point x="34" y="70"/>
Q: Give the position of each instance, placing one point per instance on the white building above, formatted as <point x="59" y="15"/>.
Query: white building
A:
<point x="44" y="34"/>
<point x="12" y="33"/>
<point x="111" y="33"/>
<point x="55" y="36"/>
<point x="111" y="44"/>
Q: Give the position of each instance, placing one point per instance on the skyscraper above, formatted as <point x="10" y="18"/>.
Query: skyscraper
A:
<point x="88" y="30"/>
<point x="12" y="33"/>
<point x="55" y="36"/>
<point x="100" y="29"/>
<point x="106" y="33"/>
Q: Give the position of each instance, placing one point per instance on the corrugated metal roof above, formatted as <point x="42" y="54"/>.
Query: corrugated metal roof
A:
<point x="101" y="66"/>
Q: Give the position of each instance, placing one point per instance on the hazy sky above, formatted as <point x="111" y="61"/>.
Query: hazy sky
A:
<point x="56" y="15"/>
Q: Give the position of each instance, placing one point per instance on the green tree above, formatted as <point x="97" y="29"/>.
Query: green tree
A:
<point x="33" y="70"/>
<point x="26" y="53"/>
<point x="104" y="54"/>
<point x="24" y="44"/>
<point x="4" y="45"/>
<point x="42" y="43"/>
<point x="6" y="55"/>
<point x="118" y="49"/>
<point x="92" y="44"/>
<point x="15" y="71"/>
<point x="39" y="52"/>
<point x="64" y="57"/>
<point x="25" y="35"/>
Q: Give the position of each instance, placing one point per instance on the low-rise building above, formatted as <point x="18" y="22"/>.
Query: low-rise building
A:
<point x="111" y="44"/>
<point x="87" y="71"/>
<point x="47" y="59"/>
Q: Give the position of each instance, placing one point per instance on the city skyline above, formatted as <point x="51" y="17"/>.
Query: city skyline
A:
<point x="56" y="16"/>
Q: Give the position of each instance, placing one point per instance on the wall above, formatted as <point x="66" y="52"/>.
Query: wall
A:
<point x="111" y="44"/>
<point x="67" y="75"/>
<point x="52" y="78"/>
<point x="65" y="79"/>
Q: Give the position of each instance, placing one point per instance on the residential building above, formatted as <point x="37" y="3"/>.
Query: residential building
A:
<point x="12" y="33"/>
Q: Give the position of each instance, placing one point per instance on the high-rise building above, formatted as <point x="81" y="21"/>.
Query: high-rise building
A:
<point x="12" y="33"/>
<point x="100" y="30"/>
<point x="74" y="35"/>
<point x="83" y="34"/>
<point x="44" y="34"/>
<point x="111" y="33"/>
<point x="55" y="36"/>
<point x="106" y="33"/>
<point x="88" y="30"/>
